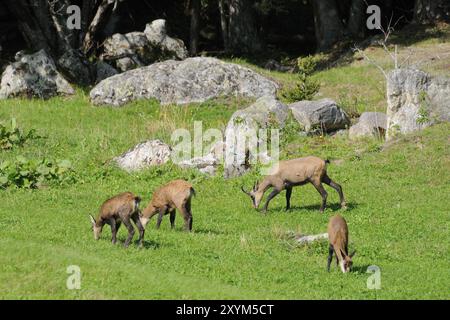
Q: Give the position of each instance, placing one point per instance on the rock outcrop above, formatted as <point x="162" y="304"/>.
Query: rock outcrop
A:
<point x="181" y="82"/>
<point x="144" y="155"/>
<point x="322" y="115"/>
<point x="137" y="49"/>
<point x="370" y="124"/>
<point x="415" y="101"/>
<point x="243" y="141"/>
<point x="33" y="76"/>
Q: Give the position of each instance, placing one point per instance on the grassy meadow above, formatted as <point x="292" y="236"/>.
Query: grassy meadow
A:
<point x="398" y="213"/>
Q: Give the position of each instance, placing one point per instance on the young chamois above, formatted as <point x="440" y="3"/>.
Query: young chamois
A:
<point x="291" y="173"/>
<point x="176" y="194"/>
<point x="338" y="237"/>
<point x="119" y="209"/>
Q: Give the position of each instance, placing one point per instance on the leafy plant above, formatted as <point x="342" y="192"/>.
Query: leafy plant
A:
<point x="32" y="174"/>
<point x="12" y="135"/>
<point x="305" y="88"/>
<point x="423" y="114"/>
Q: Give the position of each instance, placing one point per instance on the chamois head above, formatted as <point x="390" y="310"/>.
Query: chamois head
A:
<point x="146" y="214"/>
<point x="256" y="195"/>
<point x="346" y="263"/>
<point x="96" y="229"/>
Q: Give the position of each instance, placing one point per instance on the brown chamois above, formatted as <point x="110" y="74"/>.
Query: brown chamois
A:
<point x="176" y="194"/>
<point x="291" y="173"/>
<point x="119" y="209"/>
<point x="338" y="237"/>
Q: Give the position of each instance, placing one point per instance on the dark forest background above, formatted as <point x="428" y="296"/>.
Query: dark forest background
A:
<point x="263" y="28"/>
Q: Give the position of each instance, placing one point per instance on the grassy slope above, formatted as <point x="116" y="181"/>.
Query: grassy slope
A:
<point x="398" y="212"/>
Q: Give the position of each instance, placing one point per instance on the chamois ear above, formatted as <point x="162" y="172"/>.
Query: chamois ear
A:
<point x="352" y="254"/>
<point x="92" y="219"/>
<point x="255" y="186"/>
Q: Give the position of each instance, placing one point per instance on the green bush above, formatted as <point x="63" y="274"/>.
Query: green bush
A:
<point x="12" y="135"/>
<point x="305" y="87"/>
<point x="32" y="174"/>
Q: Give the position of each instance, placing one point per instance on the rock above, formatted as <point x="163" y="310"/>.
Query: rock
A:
<point x="274" y="65"/>
<point x="370" y="124"/>
<point x="415" y="101"/>
<point x="75" y="67"/>
<point x="33" y="75"/>
<point x="104" y="71"/>
<point x="144" y="155"/>
<point x="171" y="48"/>
<point x="136" y="49"/>
<point x="244" y="126"/>
<point x="322" y="115"/>
<point x="181" y="82"/>
<point x="207" y="164"/>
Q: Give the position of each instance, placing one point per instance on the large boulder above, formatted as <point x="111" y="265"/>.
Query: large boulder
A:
<point x="170" y="48"/>
<point x="322" y="115"/>
<point x="181" y="82"/>
<point x="415" y="101"/>
<point x="370" y="124"/>
<point x="137" y="49"/>
<point x="144" y="155"/>
<point x="33" y="75"/>
<point x="243" y="142"/>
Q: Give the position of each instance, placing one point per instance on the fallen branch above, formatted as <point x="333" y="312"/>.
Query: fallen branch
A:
<point x="307" y="239"/>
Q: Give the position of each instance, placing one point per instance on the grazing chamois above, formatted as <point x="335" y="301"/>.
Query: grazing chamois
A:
<point x="119" y="209"/>
<point x="291" y="173"/>
<point x="176" y="194"/>
<point x="338" y="237"/>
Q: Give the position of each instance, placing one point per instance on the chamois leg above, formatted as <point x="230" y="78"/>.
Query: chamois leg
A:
<point x="172" y="219"/>
<point x="187" y="215"/>
<point x="319" y="187"/>
<point x="126" y="221"/>
<point x="288" y="198"/>
<point x="330" y="257"/>
<point x="140" y="227"/>
<point x="326" y="179"/>
<point x="270" y="197"/>
<point x="114" y="228"/>
<point x="161" y="214"/>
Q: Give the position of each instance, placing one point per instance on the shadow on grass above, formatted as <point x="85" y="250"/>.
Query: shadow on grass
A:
<point x="316" y="207"/>
<point x="360" y="268"/>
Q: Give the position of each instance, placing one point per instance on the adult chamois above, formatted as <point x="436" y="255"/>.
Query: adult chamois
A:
<point x="176" y="194"/>
<point x="119" y="209"/>
<point x="291" y="173"/>
<point x="338" y="237"/>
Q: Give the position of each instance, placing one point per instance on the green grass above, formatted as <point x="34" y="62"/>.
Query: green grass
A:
<point x="398" y="215"/>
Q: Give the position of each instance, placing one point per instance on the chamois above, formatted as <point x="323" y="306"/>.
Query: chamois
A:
<point x="123" y="207"/>
<point x="176" y="194"/>
<point x="291" y="173"/>
<point x="338" y="237"/>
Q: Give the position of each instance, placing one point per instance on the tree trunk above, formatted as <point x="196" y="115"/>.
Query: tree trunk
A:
<point x="243" y="35"/>
<point x="194" y="12"/>
<point x="356" y="25"/>
<point x="223" y="5"/>
<point x="431" y="11"/>
<point x="328" y="26"/>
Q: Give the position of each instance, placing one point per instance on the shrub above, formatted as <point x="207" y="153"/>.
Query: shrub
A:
<point x="32" y="174"/>
<point x="305" y="87"/>
<point x="12" y="135"/>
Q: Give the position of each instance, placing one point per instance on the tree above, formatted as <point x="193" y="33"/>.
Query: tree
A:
<point x="194" y="12"/>
<point x="431" y="11"/>
<point x="328" y="26"/>
<point x="356" y="25"/>
<point x="239" y="30"/>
